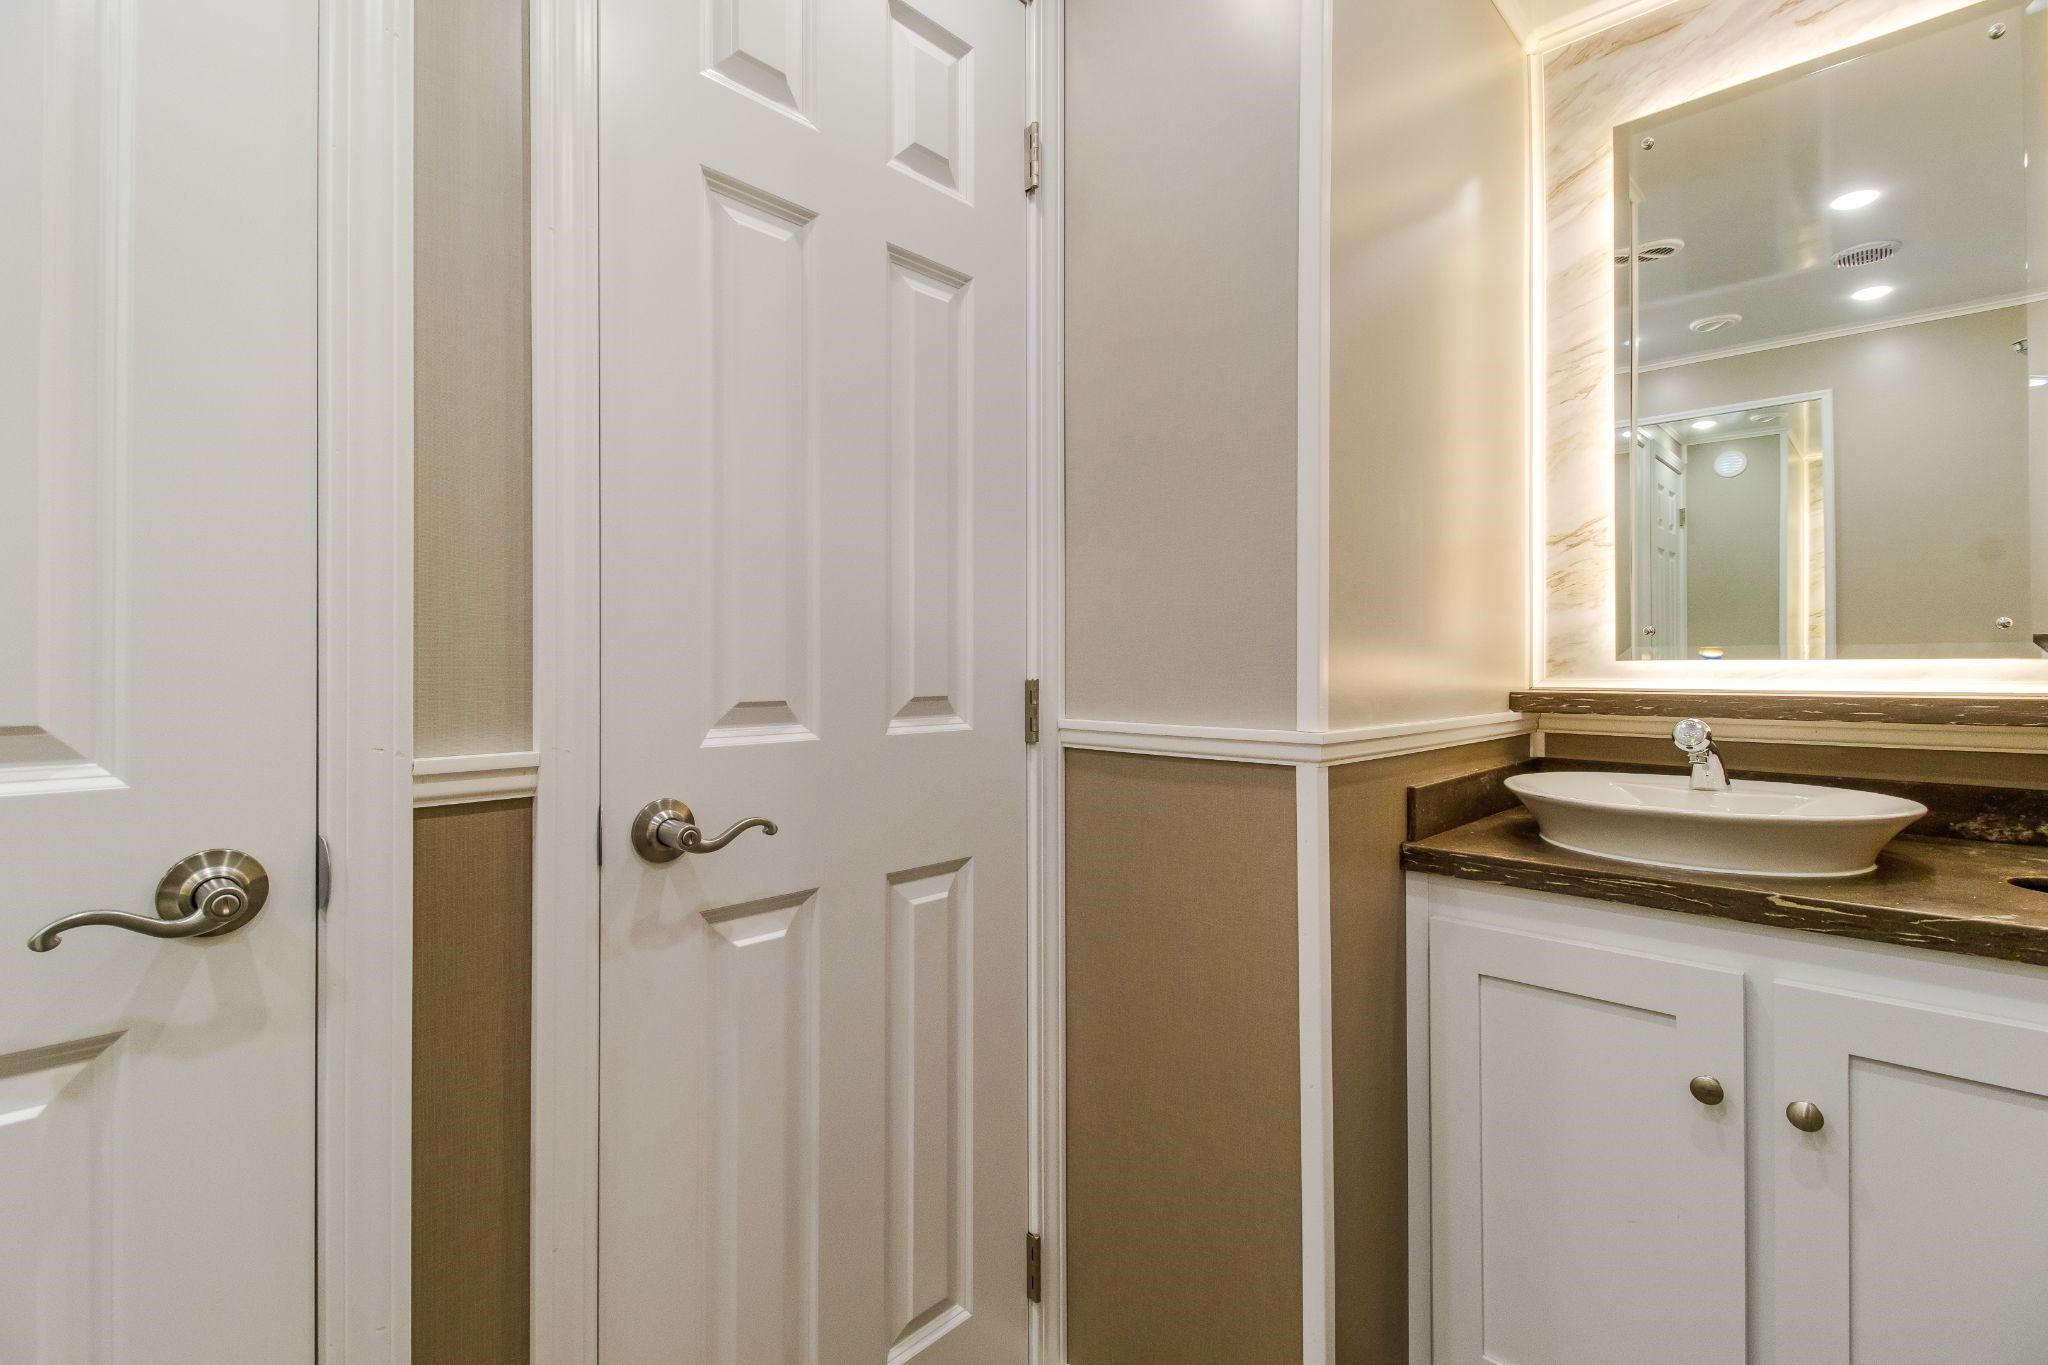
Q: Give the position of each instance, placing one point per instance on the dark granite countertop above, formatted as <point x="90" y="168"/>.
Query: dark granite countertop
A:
<point x="1947" y="895"/>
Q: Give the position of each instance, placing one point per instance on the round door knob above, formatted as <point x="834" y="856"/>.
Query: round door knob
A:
<point x="1707" y="1090"/>
<point x="1805" y="1116"/>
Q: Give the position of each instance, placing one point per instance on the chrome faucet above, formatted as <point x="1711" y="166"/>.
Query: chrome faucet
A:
<point x="1696" y="740"/>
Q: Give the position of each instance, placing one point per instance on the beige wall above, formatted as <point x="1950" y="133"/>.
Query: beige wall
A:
<point x="472" y="896"/>
<point x="1183" y="1063"/>
<point x="1428" y="372"/>
<point x="1182" y="176"/>
<point x="1931" y="482"/>
<point x="472" y="981"/>
<point x="473" y="564"/>
<point x="1368" y="1000"/>
<point x="1734" y="542"/>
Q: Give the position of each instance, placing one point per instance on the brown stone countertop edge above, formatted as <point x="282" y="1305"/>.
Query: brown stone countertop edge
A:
<point x="2029" y="712"/>
<point x="1943" y="895"/>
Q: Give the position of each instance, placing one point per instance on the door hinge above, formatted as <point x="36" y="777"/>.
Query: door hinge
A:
<point x="1034" y="158"/>
<point x="1034" y="1261"/>
<point x="1031" y="710"/>
<point x="1681" y="517"/>
<point x="323" y="872"/>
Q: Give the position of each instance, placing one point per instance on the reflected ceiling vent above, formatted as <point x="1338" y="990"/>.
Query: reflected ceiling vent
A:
<point x="1716" y="323"/>
<point x="1649" y="253"/>
<point x="1870" y="253"/>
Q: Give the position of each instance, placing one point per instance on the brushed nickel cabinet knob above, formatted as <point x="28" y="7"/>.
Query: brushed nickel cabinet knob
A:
<point x="1805" y="1116"/>
<point x="1707" y="1090"/>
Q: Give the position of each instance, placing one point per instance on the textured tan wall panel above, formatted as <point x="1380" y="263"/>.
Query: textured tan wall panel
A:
<point x="1183" y="1064"/>
<point x="472" y="388"/>
<point x="1368" y="1022"/>
<point x="472" y="991"/>
<point x="1182" y="121"/>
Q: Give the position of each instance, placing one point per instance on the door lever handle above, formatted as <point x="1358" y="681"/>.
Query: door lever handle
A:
<point x="665" y="830"/>
<point x="214" y="892"/>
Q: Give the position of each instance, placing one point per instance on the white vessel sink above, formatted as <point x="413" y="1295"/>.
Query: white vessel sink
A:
<point x="1759" y="829"/>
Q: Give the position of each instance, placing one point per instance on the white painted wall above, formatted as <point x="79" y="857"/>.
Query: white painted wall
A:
<point x="1428" y="367"/>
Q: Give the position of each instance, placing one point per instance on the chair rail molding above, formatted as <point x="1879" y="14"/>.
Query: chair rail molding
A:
<point x="465" y="779"/>
<point x="1313" y="747"/>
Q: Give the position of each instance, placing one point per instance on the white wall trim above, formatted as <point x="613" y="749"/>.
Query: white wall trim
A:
<point x="366" y="678"/>
<point x="1986" y="739"/>
<point x="1312" y="381"/>
<point x="1318" y="1114"/>
<point x="1321" y="748"/>
<point x="465" y="779"/>
<point x="563" y="42"/>
<point x="1045" y="421"/>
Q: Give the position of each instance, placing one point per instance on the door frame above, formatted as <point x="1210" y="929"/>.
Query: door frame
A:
<point x="363" y="1050"/>
<point x="566" y="1024"/>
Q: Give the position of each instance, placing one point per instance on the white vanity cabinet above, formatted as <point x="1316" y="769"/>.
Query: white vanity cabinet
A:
<point x="1604" y="1171"/>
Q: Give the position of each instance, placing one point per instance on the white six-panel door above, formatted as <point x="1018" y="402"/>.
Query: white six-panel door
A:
<point x="813" y="1078"/>
<point x="157" y="359"/>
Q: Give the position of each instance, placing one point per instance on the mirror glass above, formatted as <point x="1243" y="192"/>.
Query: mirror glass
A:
<point x="1828" y="441"/>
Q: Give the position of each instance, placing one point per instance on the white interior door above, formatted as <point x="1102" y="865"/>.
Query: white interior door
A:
<point x="813" y="256"/>
<point x="1588" y="1207"/>
<point x="157" y="360"/>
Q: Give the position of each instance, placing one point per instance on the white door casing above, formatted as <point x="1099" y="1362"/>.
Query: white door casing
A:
<point x="1909" y="1228"/>
<point x="157" y="673"/>
<point x="1586" y="1207"/>
<point x="813" y="1087"/>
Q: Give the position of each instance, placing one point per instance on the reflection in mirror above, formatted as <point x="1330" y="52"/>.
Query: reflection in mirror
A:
<point x="1823" y="446"/>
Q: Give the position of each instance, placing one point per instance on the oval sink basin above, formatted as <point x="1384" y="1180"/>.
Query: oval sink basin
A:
<point x="1757" y="829"/>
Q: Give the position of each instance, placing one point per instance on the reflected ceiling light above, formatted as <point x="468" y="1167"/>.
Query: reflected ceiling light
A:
<point x="1715" y="323"/>
<point x="2039" y="381"/>
<point x="1705" y="424"/>
<point x="1871" y="293"/>
<point x="1761" y="416"/>
<point x="1854" y="200"/>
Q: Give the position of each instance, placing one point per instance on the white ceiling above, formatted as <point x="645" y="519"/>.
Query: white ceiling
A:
<point x="1934" y="118"/>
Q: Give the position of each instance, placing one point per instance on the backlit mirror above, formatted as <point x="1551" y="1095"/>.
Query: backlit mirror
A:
<point x="1823" y="446"/>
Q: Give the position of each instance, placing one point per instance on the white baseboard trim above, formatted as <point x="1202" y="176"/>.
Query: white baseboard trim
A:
<point x="1290" y="746"/>
<point x="464" y="779"/>
<point x="1990" y="739"/>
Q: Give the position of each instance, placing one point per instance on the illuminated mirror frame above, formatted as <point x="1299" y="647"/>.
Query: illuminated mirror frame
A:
<point x="1585" y="90"/>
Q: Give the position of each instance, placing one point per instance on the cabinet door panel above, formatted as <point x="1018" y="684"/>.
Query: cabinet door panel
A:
<point x="1588" y="1209"/>
<point x="1913" y="1227"/>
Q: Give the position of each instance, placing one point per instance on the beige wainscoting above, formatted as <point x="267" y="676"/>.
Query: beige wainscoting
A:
<point x="1183" y="1069"/>
<point x="472" y="988"/>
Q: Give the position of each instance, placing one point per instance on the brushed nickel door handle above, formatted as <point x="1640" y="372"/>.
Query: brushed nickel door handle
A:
<point x="210" y="893"/>
<point x="665" y="830"/>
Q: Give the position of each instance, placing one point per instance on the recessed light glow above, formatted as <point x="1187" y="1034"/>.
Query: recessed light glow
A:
<point x="1705" y="424"/>
<point x="1871" y="293"/>
<point x="1854" y="200"/>
<point x="2039" y="381"/>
